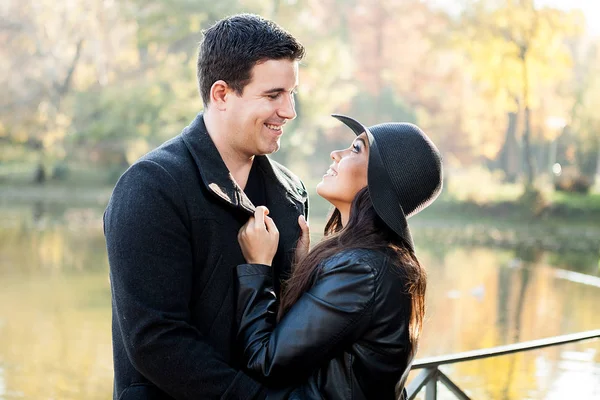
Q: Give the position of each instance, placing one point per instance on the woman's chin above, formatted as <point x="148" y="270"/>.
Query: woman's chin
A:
<point x="320" y="190"/>
<point x="323" y="194"/>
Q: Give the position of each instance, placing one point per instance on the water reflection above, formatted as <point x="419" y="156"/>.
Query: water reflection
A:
<point x="480" y="298"/>
<point x="55" y="301"/>
<point x="2" y="384"/>
<point x="55" y="311"/>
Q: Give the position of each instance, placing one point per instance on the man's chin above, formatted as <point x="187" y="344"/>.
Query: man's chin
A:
<point x="272" y="148"/>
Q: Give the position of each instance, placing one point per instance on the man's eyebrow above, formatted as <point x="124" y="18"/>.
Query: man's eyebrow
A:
<point x="279" y="90"/>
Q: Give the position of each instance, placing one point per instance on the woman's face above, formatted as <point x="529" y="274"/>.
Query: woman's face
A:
<point x="347" y="175"/>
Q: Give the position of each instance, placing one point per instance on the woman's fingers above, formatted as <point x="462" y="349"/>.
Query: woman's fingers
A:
<point x="271" y="227"/>
<point x="259" y="216"/>
<point x="303" y="245"/>
<point x="259" y="238"/>
<point x="305" y="230"/>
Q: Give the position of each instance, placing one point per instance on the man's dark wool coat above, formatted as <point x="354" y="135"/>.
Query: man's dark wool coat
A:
<point x="171" y="232"/>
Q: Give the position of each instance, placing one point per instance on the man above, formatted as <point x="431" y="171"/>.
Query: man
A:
<point x="172" y="222"/>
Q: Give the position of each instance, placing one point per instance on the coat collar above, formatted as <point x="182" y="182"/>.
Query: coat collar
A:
<point x="216" y="176"/>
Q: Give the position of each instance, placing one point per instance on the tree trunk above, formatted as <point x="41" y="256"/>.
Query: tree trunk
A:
<point x="529" y="169"/>
<point x="40" y="174"/>
<point x="509" y="156"/>
<point x="597" y="177"/>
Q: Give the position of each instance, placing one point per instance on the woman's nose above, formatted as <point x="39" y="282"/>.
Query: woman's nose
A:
<point x="336" y="155"/>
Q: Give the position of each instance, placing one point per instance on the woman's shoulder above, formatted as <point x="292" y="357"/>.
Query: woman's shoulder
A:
<point x="356" y="259"/>
<point x="348" y="279"/>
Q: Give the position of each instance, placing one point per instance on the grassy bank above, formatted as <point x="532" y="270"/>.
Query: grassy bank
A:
<point x="553" y="207"/>
<point x="564" y="207"/>
<point x="55" y="193"/>
<point x="558" y="222"/>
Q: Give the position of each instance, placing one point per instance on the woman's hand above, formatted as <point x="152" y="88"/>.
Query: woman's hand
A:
<point x="303" y="244"/>
<point x="259" y="238"/>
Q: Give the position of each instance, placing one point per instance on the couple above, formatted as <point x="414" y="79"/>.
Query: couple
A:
<point x="215" y="293"/>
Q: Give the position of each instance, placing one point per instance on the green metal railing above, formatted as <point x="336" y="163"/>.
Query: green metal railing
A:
<point x="431" y="374"/>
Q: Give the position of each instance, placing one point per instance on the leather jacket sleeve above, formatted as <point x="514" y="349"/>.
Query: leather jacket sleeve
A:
<point x="326" y="318"/>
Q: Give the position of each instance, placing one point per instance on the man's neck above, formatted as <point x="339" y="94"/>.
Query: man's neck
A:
<point x="240" y="171"/>
<point x="238" y="164"/>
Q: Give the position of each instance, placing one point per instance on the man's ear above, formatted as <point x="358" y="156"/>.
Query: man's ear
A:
<point x="219" y="92"/>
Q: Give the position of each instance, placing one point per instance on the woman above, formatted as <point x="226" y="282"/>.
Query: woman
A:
<point x="348" y="322"/>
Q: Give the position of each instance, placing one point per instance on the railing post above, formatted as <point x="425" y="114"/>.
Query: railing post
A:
<point x="430" y="373"/>
<point x="431" y="387"/>
<point x="420" y="381"/>
<point x="443" y="378"/>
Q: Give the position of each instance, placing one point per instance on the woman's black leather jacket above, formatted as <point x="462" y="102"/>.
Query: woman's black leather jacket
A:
<point x="346" y="338"/>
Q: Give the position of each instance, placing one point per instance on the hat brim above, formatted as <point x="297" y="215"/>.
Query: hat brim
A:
<point x="384" y="199"/>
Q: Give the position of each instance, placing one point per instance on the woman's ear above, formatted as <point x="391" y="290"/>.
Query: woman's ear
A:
<point x="218" y="94"/>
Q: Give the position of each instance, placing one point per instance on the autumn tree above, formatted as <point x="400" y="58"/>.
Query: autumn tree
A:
<point x="584" y="119"/>
<point x="52" y="51"/>
<point x="516" y="47"/>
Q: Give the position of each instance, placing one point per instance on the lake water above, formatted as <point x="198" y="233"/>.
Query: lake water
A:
<point x="55" y="311"/>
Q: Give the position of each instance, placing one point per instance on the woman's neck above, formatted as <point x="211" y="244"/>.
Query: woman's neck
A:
<point x="344" y="215"/>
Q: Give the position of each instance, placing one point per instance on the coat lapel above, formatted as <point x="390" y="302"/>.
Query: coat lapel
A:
<point x="214" y="172"/>
<point x="286" y="204"/>
<point x="286" y="201"/>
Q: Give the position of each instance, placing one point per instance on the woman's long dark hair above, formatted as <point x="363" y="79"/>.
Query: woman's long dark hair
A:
<point x="364" y="230"/>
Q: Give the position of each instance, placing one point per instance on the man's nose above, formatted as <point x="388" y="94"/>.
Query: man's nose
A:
<point x="288" y="108"/>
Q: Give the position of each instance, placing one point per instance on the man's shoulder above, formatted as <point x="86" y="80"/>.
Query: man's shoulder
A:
<point x="171" y="160"/>
<point x="171" y="155"/>
<point x="172" y="148"/>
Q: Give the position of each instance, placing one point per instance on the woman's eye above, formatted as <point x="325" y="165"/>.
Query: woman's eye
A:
<point x="356" y="148"/>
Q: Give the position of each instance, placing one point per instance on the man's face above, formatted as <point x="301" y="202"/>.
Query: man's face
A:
<point x="256" y="117"/>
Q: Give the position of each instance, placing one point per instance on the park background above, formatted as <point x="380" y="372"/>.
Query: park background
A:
<point x="509" y="90"/>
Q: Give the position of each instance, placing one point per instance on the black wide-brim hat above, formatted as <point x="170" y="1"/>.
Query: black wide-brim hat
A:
<point x="404" y="174"/>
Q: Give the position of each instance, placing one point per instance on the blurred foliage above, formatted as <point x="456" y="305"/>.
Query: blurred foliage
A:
<point x="102" y="82"/>
<point x="572" y="183"/>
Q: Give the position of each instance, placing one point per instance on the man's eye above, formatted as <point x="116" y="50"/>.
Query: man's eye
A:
<point x="273" y="96"/>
